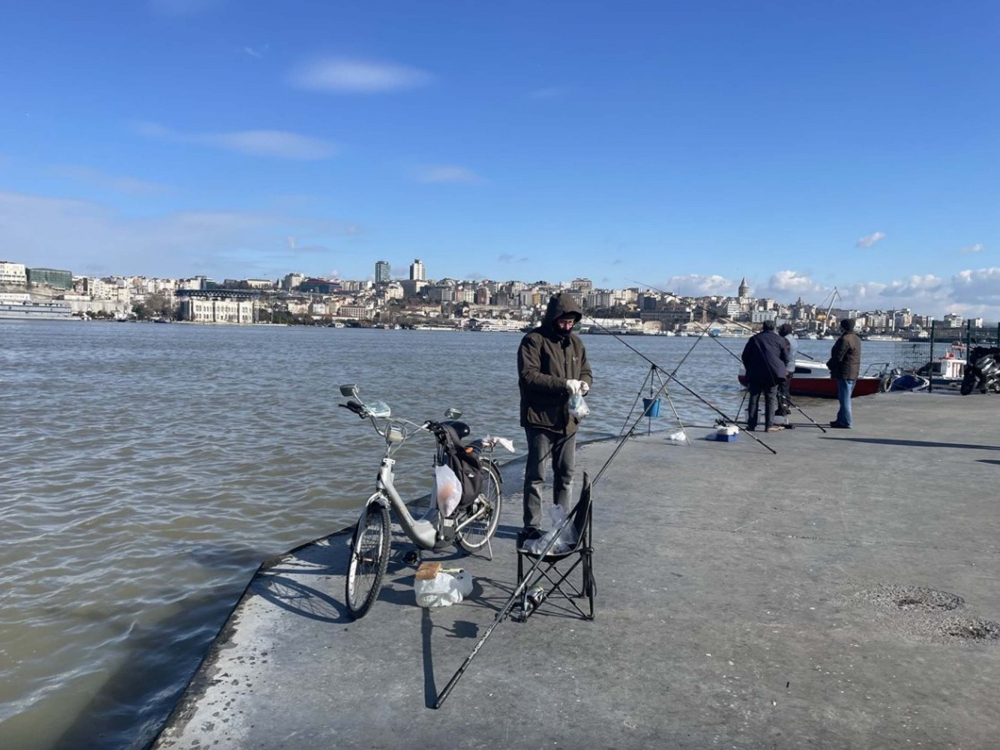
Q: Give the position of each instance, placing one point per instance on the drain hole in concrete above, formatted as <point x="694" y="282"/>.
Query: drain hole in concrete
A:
<point x="972" y="629"/>
<point x="912" y="598"/>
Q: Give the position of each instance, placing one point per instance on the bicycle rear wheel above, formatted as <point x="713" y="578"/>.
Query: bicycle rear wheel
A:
<point x="369" y="558"/>
<point x="475" y="535"/>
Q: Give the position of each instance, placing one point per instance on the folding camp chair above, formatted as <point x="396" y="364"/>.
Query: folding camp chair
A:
<point x="582" y="554"/>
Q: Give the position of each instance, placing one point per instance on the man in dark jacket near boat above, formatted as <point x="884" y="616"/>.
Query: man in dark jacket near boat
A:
<point x="551" y="365"/>
<point x="845" y="365"/>
<point x="765" y="358"/>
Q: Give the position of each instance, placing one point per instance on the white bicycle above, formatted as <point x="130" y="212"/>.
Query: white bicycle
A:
<point x="471" y="526"/>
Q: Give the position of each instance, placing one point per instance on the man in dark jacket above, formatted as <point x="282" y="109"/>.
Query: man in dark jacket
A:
<point x="765" y="358"/>
<point x="552" y="365"/>
<point x="845" y="364"/>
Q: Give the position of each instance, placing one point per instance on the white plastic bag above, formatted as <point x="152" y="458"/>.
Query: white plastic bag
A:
<point x="447" y="490"/>
<point x="677" y="437"/>
<point x="577" y="406"/>
<point x="443" y="590"/>
<point x="565" y="541"/>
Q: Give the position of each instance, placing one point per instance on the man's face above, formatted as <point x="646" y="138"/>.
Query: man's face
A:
<point x="565" y="324"/>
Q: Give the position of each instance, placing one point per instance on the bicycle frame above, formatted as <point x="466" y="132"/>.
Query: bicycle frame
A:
<point x="396" y="432"/>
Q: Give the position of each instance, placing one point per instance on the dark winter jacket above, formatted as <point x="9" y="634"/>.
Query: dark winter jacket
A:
<point x="845" y="357"/>
<point x="765" y="358"/>
<point x="545" y="361"/>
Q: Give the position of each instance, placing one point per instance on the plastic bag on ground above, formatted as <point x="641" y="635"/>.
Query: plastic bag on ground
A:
<point x="565" y="541"/>
<point x="447" y="490"/>
<point x="443" y="590"/>
<point x="577" y="406"/>
<point x="677" y="437"/>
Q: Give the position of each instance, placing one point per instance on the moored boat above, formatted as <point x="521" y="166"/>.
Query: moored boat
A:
<point x="813" y="379"/>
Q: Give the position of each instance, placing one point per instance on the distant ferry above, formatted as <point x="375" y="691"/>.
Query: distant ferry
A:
<point x="883" y="337"/>
<point x="35" y="311"/>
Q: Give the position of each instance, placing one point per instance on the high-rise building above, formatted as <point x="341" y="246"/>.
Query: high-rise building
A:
<point x="417" y="271"/>
<point x="382" y="272"/>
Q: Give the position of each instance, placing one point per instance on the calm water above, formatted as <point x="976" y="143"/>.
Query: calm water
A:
<point x="146" y="470"/>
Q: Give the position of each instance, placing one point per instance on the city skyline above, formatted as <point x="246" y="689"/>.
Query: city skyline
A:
<point x="803" y="147"/>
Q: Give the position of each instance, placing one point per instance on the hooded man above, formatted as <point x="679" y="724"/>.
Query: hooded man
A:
<point x="765" y="358"/>
<point x="845" y="364"/>
<point x="552" y="366"/>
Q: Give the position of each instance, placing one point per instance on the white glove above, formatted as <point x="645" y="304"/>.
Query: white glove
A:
<point x="584" y="388"/>
<point x="575" y="386"/>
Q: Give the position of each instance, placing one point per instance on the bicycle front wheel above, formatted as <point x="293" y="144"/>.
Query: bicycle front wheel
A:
<point x="369" y="558"/>
<point x="476" y="534"/>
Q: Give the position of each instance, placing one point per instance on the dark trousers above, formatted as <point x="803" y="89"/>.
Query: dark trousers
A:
<point x="544" y="446"/>
<point x="785" y="393"/>
<point x="770" y="393"/>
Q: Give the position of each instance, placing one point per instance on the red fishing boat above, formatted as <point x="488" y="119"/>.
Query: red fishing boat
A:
<point x="813" y="379"/>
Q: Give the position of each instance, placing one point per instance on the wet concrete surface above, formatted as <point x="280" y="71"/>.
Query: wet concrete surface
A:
<point x="841" y="594"/>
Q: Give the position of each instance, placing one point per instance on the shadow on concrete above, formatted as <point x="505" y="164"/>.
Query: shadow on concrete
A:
<point x="299" y="599"/>
<point x="987" y="461"/>
<point x="915" y="443"/>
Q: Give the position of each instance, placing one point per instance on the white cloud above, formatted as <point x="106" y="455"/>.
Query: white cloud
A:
<point x="449" y="174"/>
<point x="696" y="285"/>
<point x="118" y="183"/>
<point x="343" y="75"/>
<point x="870" y="239"/>
<point x="977" y="248"/>
<point x="73" y="234"/>
<point x="276" y="143"/>
<point x="980" y="287"/>
<point x="913" y="286"/>
<point x="257" y="52"/>
<point x="790" y="282"/>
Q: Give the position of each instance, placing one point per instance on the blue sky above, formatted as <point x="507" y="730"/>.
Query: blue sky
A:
<point x="801" y="144"/>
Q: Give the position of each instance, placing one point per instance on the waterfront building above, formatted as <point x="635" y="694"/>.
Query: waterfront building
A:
<point x="953" y="320"/>
<point x="13" y="274"/>
<point x="356" y="312"/>
<point x="417" y="270"/>
<point x="382" y="272"/>
<point x="219" y="309"/>
<point x="51" y="277"/>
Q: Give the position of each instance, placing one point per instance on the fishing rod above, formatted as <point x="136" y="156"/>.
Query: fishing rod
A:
<point x="519" y="590"/>
<point x="673" y="377"/>
<point x="716" y="317"/>
<point x="797" y="408"/>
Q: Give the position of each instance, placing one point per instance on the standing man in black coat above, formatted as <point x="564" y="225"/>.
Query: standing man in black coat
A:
<point x="552" y="366"/>
<point x="765" y="358"/>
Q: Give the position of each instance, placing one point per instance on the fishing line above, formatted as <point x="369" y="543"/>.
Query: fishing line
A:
<point x="505" y="610"/>
<point x="671" y="376"/>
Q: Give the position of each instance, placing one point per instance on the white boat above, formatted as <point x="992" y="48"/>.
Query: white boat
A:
<point x="945" y="372"/>
<point x="883" y="337"/>
<point x="29" y="310"/>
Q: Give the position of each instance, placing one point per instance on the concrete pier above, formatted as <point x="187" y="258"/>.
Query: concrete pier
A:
<point x="842" y="594"/>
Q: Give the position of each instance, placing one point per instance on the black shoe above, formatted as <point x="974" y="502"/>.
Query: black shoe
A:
<point x="528" y="534"/>
<point x="838" y="426"/>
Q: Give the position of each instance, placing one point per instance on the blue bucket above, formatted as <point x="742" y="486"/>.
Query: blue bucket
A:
<point x="651" y="407"/>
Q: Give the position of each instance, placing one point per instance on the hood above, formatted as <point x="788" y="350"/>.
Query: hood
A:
<point x="561" y="304"/>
